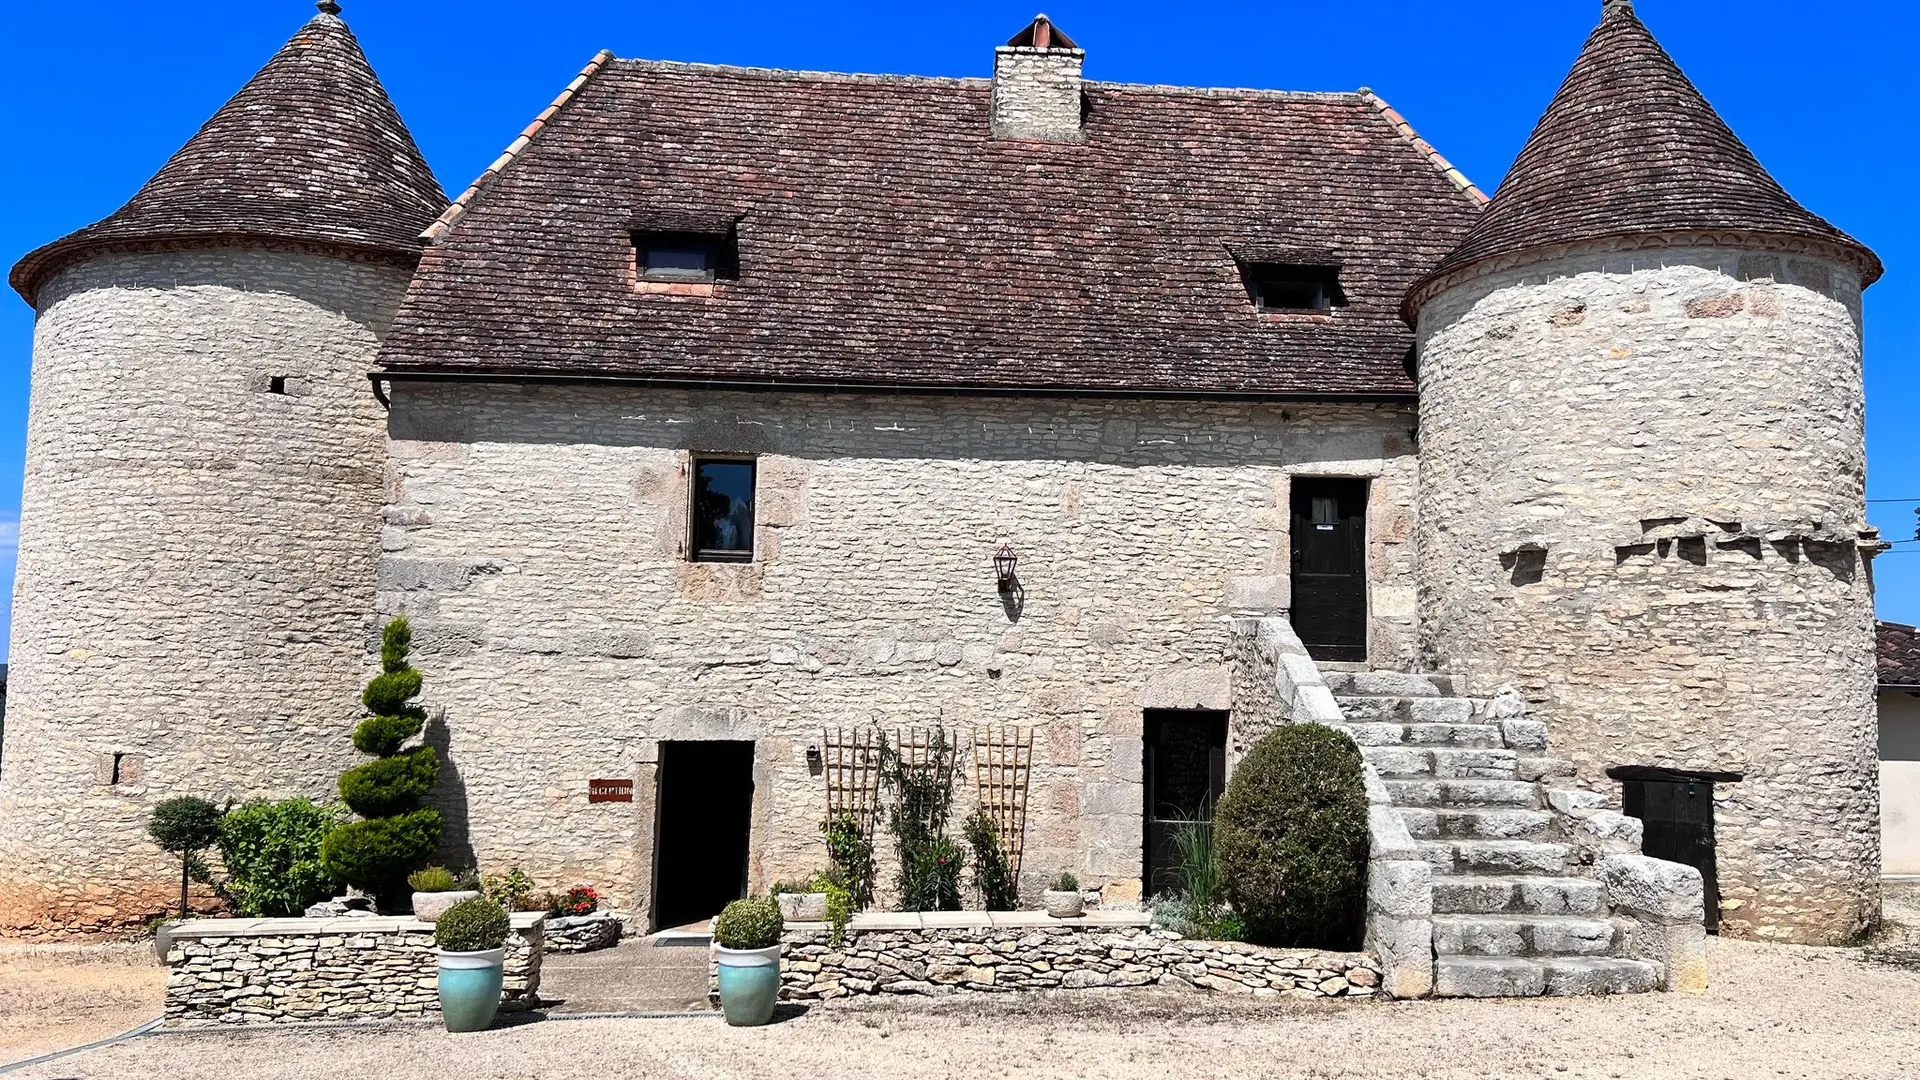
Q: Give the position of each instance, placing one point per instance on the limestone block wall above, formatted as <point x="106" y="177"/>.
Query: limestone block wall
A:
<point x="1642" y="485"/>
<point x="197" y="560"/>
<point x="536" y="536"/>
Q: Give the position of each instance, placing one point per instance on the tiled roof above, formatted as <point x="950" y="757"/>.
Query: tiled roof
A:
<point x="1629" y="147"/>
<point x="310" y="151"/>
<point x="1899" y="654"/>
<point x="885" y="239"/>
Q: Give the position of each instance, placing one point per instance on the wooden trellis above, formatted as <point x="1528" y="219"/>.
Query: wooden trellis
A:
<point x="851" y="757"/>
<point x="1002" y="761"/>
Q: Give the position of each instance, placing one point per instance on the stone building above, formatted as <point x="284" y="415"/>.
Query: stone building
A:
<point x="710" y="407"/>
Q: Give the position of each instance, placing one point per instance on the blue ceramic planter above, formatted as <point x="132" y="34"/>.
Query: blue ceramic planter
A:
<point x="749" y="984"/>
<point x="470" y="988"/>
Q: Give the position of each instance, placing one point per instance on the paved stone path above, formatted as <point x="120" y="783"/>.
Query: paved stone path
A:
<point x="634" y="976"/>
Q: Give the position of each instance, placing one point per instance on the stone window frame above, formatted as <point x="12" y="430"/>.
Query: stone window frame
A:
<point x="694" y="553"/>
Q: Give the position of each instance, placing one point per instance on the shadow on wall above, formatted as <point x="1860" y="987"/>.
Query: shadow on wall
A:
<point x="450" y="798"/>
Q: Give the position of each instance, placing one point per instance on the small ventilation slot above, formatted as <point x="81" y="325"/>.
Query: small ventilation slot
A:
<point x="276" y="384"/>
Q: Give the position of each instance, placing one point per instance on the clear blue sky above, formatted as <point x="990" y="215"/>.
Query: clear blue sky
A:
<point x="97" y="95"/>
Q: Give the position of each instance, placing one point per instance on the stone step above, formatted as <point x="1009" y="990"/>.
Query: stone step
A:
<point x="1521" y="935"/>
<point x="1477" y="976"/>
<point x="1520" y="895"/>
<point x="1444" y="763"/>
<point x="1543" y="768"/>
<point x="1426" y="823"/>
<point x="1464" y="736"/>
<point x="1390" y="684"/>
<point x="1499" y="857"/>
<point x="1472" y="794"/>
<point x="1405" y="710"/>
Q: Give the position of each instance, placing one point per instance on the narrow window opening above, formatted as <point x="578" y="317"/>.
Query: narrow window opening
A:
<point x="685" y="256"/>
<point x="722" y="510"/>
<point x="1286" y="287"/>
<point x="119" y="761"/>
<point x="276" y="384"/>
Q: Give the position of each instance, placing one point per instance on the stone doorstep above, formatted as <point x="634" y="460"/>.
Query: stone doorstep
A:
<point x="369" y="924"/>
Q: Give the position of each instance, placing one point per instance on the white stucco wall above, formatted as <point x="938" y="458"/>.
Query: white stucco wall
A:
<point x="1899" y="783"/>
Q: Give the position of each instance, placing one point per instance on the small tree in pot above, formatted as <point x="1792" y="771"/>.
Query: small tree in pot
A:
<point x="472" y="936"/>
<point x="746" y="939"/>
<point x="185" y="826"/>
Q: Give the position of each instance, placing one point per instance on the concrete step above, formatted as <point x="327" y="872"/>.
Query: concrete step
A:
<point x="1476" y="976"/>
<point x="1516" y="895"/>
<point x="1499" y="857"/>
<point x="1390" y="684"/>
<point x="1444" y="762"/>
<point x="1521" y="935"/>
<point x="1406" y="710"/>
<point x="1471" y="794"/>
<point x="1426" y="823"/>
<point x="1462" y="736"/>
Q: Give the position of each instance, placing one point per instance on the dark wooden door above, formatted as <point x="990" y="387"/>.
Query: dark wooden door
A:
<point x="1678" y="820"/>
<point x="1329" y="539"/>
<point x="703" y="819"/>
<point x="1185" y="771"/>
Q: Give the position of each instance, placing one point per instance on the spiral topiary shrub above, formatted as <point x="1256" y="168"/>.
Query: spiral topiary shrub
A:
<point x="1290" y="838"/>
<point x="397" y="834"/>
<point x="753" y="923"/>
<point x="474" y="925"/>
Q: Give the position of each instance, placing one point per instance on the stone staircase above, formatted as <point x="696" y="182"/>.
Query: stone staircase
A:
<point x="1517" y="911"/>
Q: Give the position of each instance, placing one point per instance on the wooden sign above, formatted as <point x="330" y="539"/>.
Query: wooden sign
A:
<point x="609" y="791"/>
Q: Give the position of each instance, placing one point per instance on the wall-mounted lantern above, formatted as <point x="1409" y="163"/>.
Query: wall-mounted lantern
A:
<point x="815" y="765"/>
<point x="1003" y="563"/>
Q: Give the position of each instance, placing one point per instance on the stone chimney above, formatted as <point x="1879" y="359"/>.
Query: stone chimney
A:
<point x="1036" y="86"/>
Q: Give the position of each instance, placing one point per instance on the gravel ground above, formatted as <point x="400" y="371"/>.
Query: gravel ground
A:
<point x="1774" y="1011"/>
<point x="56" y="996"/>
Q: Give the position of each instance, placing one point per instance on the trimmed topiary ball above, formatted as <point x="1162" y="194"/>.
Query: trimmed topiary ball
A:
<point x="474" y="925"/>
<point x="753" y="923"/>
<point x="1290" y="837"/>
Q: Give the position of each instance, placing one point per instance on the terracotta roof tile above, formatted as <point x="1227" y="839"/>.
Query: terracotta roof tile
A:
<point x="310" y="151"/>
<point x="1629" y="146"/>
<point x="886" y="239"/>
<point x="1899" y="655"/>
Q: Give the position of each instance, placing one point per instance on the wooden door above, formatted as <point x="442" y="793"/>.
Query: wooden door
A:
<point x="1185" y="771"/>
<point x="1329" y="537"/>
<point x="1678" y="819"/>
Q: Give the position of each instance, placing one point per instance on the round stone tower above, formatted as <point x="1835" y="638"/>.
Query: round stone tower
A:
<point x="200" y="520"/>
<point x="1642" y="481"/>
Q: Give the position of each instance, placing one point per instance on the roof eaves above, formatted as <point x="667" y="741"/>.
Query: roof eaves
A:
<point x="1446" y="168"/>
<point x="453" y="214"/>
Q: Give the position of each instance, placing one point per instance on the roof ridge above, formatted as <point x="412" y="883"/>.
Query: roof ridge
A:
<point x="1447" y="168"/>
<point x="453" y="213"/>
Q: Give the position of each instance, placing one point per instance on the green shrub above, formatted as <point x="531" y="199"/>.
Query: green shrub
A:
<point x="474" y="925"/>
<point x="433" y="879"/>
<point x="1065" y="883"/>
<point x="512" y="890"/>
<point x="396" y="834"/>
<point x="753" y="923"/>
<point x="1290" y="837"/>
<point x="185" y="826"/>
<point x="272" y="852"/>
<point x="852" y="853"/>
<point x="992" y="873"/>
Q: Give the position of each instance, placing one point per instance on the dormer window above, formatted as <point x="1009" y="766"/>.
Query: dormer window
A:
<point x="1283" y="288"/>
<point x="688" y="257"/>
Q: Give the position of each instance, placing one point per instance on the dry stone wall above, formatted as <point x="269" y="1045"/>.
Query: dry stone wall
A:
<point x="536" y="535"/>
<point x="1013" y="951"/>
<point x="1641" y="502"/>
<point x="197" y="561"/>
<point x="288" y="971"/>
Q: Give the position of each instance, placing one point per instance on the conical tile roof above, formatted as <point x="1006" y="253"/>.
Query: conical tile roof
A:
<point x="1630" y="147"/>
<point x="310" y="151"/>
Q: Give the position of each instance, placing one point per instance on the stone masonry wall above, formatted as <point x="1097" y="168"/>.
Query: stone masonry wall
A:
<point x="1023" y="952"/>
<point x="1036" y="94"/>
<point x="1642" y="484"/>
<point x="197" y="557"/>
<point x="288" y="971"/>
<point x="536" y="535"/>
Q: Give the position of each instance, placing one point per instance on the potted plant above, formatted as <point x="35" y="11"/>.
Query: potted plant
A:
<point x="436" y="889"/>
<point x="746" y="942"/>
<point x="802" y="901"/>
<point x="1063" y="898"/>
<point x="472" y="936"/>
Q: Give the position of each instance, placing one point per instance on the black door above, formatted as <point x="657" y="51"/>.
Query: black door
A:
<point x="1185" y="771"/>
<point x="1330" y="567"/>
<point x="1678" y="819"/>
<point x="705" y="811"/>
